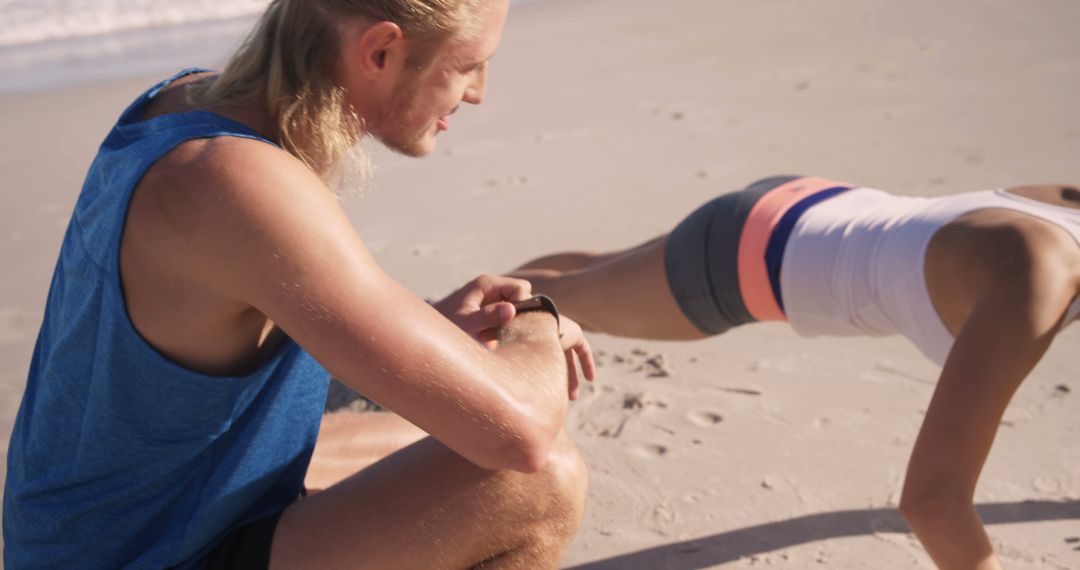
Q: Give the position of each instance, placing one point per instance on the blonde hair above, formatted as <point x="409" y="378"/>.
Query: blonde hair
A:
<point x="289" y="60"/>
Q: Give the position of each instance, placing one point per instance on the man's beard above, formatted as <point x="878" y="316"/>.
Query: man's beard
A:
<point x="411" y="147"/>
<point x="394" y="123"/>
<point x="399" y="138"/>
<point x="351" y="173"/>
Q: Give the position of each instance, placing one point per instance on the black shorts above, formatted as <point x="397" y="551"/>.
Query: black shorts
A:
<point x="246" y="548"/>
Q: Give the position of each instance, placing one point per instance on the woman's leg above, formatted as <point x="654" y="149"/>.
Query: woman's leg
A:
<point x="623" y="293"/>
<point x="571" y="260"/>
<point x="681" y="286"/>
<point x="426" y="507"/>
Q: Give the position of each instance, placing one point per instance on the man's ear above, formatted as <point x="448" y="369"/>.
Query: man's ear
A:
<point x="379" y="47"/>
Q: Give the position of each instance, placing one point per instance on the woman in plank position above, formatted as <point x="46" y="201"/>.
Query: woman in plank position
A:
<point x="209" y="280"/>
<point x="981" y="282"/>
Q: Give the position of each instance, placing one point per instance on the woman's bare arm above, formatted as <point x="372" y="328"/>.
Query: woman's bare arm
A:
<point x="1009" y="328"/>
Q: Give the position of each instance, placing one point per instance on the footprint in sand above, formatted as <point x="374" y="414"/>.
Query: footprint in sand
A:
<point x="781" y="365"/>
<point x="704" y="419"/>
<point x="691" y="497"/>
<point x="653" y="366"/>
<point x="649" y="451"/>
<point x="507" y="182"/>
<point x="638" y="402"/>
<point x="886" y="373"/>
<point x="1048" y="485"/>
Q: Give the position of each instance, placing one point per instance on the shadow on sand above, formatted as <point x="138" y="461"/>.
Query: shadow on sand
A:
<point x="732" y="545"/>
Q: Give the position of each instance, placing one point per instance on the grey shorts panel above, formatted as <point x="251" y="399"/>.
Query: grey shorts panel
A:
<point x="701" y="258"/>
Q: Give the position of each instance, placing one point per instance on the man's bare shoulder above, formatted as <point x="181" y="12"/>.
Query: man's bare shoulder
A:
<point x="210" y="204"/>
<point x="206" y="183"/>
<point x="227" y="166"/>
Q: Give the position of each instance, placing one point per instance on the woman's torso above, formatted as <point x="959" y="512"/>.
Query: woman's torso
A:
<point x="855" y="264"/>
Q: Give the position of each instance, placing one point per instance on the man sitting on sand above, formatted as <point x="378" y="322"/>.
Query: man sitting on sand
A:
<point x="209" y="279"/>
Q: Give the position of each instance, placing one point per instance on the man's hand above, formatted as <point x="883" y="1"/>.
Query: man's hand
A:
<point x="573" y="343"/>
<point x="484" y="304"/>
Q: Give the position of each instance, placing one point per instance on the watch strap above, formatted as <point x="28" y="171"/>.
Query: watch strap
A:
<point x="538" y="303"/>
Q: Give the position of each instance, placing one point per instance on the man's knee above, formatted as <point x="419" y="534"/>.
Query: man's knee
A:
<point x="565" y="484"/>
<point x="546" y="506"/>
<point x="569" y="469"/>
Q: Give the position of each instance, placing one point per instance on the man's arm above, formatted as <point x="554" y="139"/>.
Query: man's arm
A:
<point x="262" y="229"/>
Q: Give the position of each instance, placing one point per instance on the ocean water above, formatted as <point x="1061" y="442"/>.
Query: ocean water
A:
<point x="50" y="43"/>
<point x="34" y="21"/>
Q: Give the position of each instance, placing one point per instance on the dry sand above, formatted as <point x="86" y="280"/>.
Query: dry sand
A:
<point x="606" y="122"/>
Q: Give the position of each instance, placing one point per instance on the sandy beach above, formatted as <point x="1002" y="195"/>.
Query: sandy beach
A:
<point x="607" y="121"/>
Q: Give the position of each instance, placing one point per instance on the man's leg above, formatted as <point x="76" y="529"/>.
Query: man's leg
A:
<point x="426" y="507"/>
<point x="350" y="442"/>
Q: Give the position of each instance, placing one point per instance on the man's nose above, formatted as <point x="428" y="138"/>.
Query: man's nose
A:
<point x="474" y="94"/>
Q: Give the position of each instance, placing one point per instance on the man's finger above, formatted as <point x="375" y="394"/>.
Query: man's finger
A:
<point x="500" y="288"/>
<point x="473" y="295"/>
<point x="573" y="382"/>
<point x="489" y="338"/>
<point x="588" y="363"/>
<point x="487" y="317"/>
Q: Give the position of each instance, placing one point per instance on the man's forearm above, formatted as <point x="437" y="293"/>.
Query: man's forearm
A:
<point x="529" y="345"/>
<point x="535" y="327"/>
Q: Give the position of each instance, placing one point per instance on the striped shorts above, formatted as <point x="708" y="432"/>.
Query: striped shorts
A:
<point x="723" y="261"/>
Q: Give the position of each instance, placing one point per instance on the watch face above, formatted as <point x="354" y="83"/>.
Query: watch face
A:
<point x="529" y="304"/>
<point x="538" y="303"/>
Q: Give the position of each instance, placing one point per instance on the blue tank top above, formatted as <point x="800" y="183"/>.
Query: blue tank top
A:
<point x="120" y="457"/>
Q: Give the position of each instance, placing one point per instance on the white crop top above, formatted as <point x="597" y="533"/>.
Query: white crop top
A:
<point x="854" y="264"/>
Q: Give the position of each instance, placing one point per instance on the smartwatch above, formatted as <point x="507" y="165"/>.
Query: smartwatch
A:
<point x="538" y="303"/>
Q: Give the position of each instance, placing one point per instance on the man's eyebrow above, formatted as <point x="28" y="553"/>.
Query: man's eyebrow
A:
<point x="478" y="62"/>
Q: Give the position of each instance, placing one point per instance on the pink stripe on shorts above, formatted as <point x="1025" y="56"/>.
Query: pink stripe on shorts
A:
<point x="754" y="282"/>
